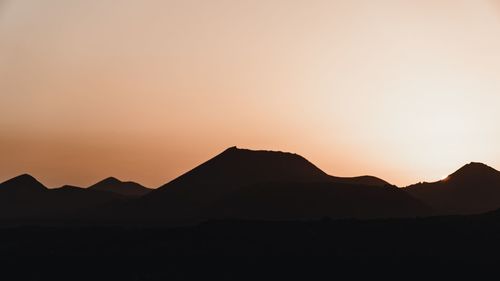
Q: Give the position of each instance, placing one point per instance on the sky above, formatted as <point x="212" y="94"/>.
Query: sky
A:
<point x="405" y="90"/>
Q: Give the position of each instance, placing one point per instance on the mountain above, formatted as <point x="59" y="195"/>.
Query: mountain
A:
<point x="237" y="167"/>
<point x="24" y="197"/>
<point x="242" y="180"/>
<point x="22" y="184"/>
<point x="129" y="189"/>
<point x="474" y="188"/>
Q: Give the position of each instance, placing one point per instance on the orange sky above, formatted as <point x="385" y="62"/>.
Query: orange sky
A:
<point x="145" y="90"/>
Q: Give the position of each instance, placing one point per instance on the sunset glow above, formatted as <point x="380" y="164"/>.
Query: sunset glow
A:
<point x="145" y="90"/>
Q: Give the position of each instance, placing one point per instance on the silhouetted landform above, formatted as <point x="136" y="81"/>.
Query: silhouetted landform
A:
<point x="255" y="185"/>
<point x="269" y="185"/>
<point x="290" y="201"/>
<point x="22" y="184"/>
<point x="275" y="199"/>
<point x="130" y="189"/>
<point x="24" y="197"/>
<point x="473" y="189"/>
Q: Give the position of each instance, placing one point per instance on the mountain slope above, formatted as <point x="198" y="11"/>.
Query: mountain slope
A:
<point x="130" y="189"/>
<point x="362" y="180"/>
<point x="292" y="201"/>
<point x="474" y="188"/>
<point x="236" y="174"/>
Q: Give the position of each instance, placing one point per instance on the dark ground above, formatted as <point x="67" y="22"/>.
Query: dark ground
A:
<point x="432" y="248"/>
<point x="246" y="250"/>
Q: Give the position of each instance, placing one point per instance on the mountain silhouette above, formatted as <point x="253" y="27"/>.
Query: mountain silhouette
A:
<point x="237" y="166"/>
<point x="22" y="184"/>
<point x="474" y="188"/>
<point x="24" y="197"/>
<point x="254" y="177"/>
<point x="473" y="172"/>
<point x="255" y="184"/>
<point x="129" y="189"/>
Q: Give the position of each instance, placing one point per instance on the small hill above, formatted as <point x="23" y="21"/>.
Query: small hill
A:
<point x="22" y="196"/>
<point x="129" y="189"/>
<point x="21" y="184"/>
<point x="472" y="189"/>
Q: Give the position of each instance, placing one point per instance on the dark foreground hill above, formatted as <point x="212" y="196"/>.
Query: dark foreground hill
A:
<point x="240" y="183"/>
<point x="473" y="189"/>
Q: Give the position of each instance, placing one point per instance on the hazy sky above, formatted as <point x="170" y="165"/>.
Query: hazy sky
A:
<point x="145" y="90"/>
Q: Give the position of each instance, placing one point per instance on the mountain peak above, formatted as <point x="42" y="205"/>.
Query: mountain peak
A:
<point x="236" y="167"/>
<point x="23" y="182"/>
<point x="232" y="148"/>
<point x="24" y="178"/>
<point x="476" y="165"/>
<point x="115" y="185"/>
<point x="110" y="180"/>
<point x="243" y="154"/>
<point x="472" y="189"/>
<point x="106" y="183"/>
<point x="474" y="170"/>
<point x="246" y="152"/>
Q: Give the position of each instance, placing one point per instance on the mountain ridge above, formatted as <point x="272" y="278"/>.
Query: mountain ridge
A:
<point x="474" y="188"/>
<point x="245" y="182"/>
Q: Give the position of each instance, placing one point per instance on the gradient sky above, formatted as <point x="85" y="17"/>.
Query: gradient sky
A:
<point x="145" y="90"/>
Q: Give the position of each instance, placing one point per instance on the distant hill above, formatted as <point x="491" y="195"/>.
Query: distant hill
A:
<point x="243" y="180"/>
<point x="23" y="184"/>
<point x="474" y="188"/>
<point x="129" y="189"/>
<point x="24" y="197"/>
